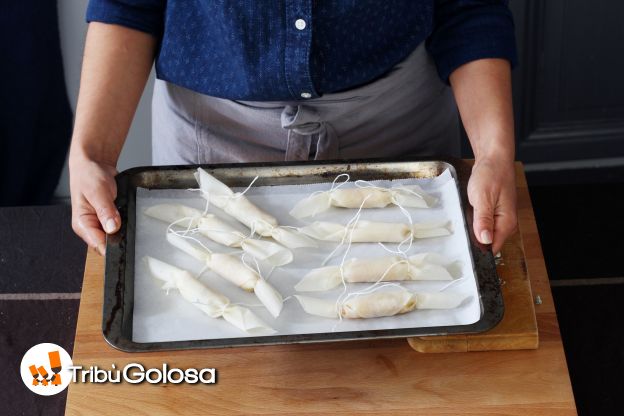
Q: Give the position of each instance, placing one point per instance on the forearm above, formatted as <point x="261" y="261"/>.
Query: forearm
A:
<point x="482" y="91"/>
<point x="116" y="64"/>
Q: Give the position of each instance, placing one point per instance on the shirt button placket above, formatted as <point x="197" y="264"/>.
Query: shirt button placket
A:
<point x="298" y="14"/>
<point x="300" y="24"/>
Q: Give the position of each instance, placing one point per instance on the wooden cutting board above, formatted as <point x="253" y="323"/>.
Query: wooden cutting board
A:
<point x="339" y="378"/>
<point x="518" y="328"/>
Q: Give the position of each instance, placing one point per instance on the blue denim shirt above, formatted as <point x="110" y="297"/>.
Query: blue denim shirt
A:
<point x="266" y="50"/>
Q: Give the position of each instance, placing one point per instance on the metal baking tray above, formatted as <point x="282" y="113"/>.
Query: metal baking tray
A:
<point x="119" y="271"/>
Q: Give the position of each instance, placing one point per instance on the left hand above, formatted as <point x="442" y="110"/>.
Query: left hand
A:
<point x="492" y="194"/>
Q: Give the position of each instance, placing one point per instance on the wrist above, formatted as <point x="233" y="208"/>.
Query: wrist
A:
<point x="495" y="156"/>
<point x="92" y="151"/>
<point x="495" y="148"/>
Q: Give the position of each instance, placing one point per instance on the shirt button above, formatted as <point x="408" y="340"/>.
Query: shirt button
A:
<point x="306" y="95"/>
<point x="300" y="24"/>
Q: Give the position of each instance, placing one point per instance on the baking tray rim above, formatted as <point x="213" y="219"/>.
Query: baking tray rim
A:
<point x="117" y="308"/>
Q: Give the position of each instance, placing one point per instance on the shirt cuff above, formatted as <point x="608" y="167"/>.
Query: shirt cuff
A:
<point x="486" y="33"/>
<point x="144" y="15"/>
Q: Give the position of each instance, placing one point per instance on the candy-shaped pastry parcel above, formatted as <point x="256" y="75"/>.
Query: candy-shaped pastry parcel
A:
<point x="220" y="231"/>
<point x="233" y="269"/>
<point x="423" y="266"/>
<point x="211" y="302"/>
<point x="379" y="304"/>
<point x="368" y="196"/>
<point x="376" y="232"/>
<point x="240" y="207"/>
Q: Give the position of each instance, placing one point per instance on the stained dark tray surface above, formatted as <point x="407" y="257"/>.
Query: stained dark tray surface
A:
<point x="119" y="272"/>
<point x="275" y="174"/>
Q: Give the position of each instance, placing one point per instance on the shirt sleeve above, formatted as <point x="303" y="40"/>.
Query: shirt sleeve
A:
<point x="144" y="15"/>
<point x="467" y="30"/>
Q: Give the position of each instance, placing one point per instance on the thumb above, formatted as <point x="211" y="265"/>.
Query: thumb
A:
<point x="103" y="204"/>
<point x="483" y="221"/>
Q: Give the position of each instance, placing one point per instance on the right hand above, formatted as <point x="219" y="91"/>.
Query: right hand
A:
<point x="93" y="192"/>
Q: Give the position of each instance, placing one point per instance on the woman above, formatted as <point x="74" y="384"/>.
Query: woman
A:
<point x="295" y="80"/>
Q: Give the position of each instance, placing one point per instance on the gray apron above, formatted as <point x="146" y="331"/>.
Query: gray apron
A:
<point x="408" y="111"/>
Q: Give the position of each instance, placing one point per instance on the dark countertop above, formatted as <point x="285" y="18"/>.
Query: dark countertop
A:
<point x="41" y="270"/>
<point x="42" y="265"/>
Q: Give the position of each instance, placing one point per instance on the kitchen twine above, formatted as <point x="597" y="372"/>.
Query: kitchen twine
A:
<point x="206" y="196"/>
<point x="258" y="220"/>
<point x="229" y="303"/>
<point x="377" y="285"/>
<point x="261" y="221"/>
<point x="266" y="279"/>
<point x="195" y="230"/>
<point x="409" y="240"/>
<point x="348" y="231"/>
<point x="353" y="222"/>
<point x="184" y="234"/>
<point x="253" y="225"/>
<point x="373" y="288"/>
<point x="335" y="185"/>
<point x="226" y="305"/>
<point x="220" y="312"/>
<point x="191" y="230"/>
<point x="367" y="184"/>
<point x="360" y="183"/>
<point x="256" y="270"/>
<point x="237" y="195"/>
<point x="271" y="228"/>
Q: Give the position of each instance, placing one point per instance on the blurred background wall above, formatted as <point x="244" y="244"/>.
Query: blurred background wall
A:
<point x="568" y="88"/>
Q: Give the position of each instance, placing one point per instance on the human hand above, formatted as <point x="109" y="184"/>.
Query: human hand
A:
<point x="492" y="194"/>
<point x="93" y="192"/>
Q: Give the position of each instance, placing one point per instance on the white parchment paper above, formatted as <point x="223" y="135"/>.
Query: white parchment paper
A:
<point x="159" y="316"/>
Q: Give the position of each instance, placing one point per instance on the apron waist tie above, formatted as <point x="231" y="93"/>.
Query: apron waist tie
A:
<point x="303" y="123"/>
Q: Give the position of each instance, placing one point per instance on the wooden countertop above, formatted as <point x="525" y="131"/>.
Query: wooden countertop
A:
<point x="384" y="376"/>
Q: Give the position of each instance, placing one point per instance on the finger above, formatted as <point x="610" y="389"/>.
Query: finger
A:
<point x="86" y="224"/>
<point x="483" y="220"/>
<point x="505" y="224"/>
<point x="89" y="229"/>
<point x="102" y="202"/>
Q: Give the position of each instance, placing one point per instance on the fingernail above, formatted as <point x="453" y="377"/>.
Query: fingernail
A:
<point x="101" y="248"/>
<point x="110" y="226"/>
<point x="486" y="237"/>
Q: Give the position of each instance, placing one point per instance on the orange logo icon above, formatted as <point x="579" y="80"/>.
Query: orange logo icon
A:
<point x="45" y="369"/>
<point x="55" y="366"/>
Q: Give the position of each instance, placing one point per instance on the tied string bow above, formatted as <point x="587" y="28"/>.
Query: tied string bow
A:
<point x="305" y="128"/>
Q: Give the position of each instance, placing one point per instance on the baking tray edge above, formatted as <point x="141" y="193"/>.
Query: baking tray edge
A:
<point x="119" y="268"/>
